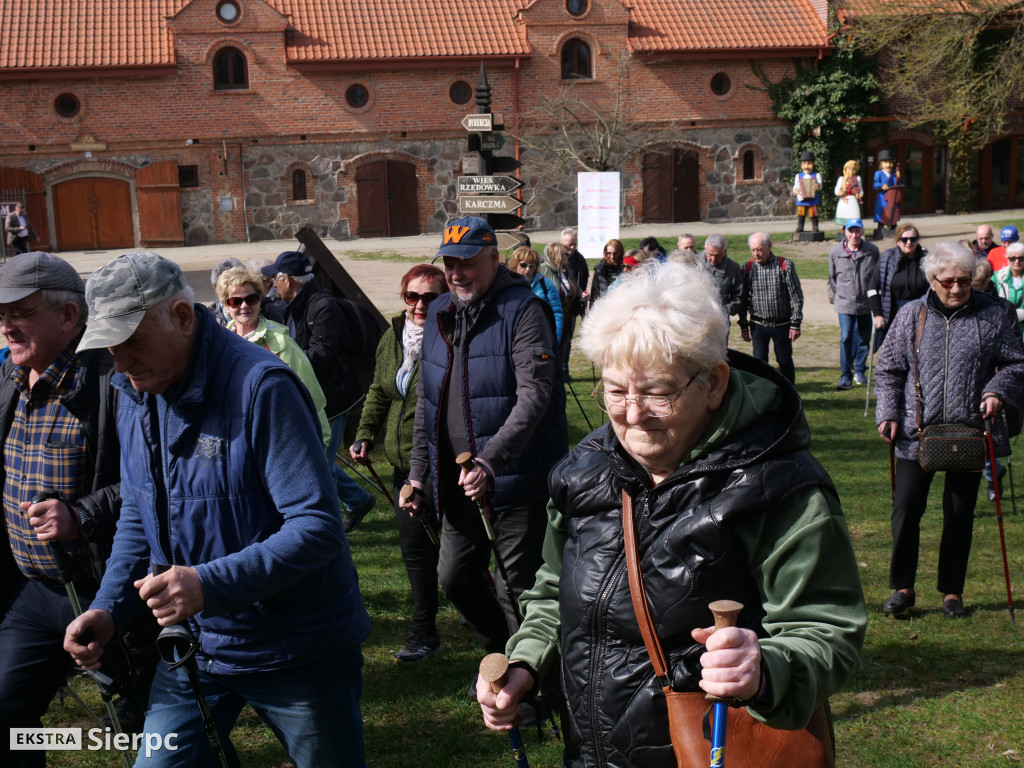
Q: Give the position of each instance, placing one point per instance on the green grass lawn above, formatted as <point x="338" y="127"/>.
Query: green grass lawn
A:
<point x="930" y="691"/>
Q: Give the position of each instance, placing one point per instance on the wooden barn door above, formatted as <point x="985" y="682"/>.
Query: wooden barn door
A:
<point x="388" y="199"/>
<point x="93" y="214"/>
<point x="657" y="187"/>
<point x="686" y="186"/>
<point x="159" y="200"/>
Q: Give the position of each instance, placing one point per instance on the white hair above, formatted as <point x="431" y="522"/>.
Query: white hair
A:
<point x="766" y="239"/>
<point x="161" y="311"/>
<point x="658" y="315"/>
<point x="948" y="254"/>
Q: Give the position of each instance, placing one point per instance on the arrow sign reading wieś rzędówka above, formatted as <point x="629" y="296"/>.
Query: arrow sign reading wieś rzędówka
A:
<point x="489" y="204"/>
<point x="487" y="185"/>
<point x="510" y="240"/>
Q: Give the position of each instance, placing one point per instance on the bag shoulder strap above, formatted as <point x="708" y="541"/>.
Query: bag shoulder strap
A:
<point x="637" y="592"/>
<point x="917" y="374"/>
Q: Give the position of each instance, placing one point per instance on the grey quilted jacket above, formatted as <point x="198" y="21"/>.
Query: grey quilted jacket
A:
<point x="976" y="350"/>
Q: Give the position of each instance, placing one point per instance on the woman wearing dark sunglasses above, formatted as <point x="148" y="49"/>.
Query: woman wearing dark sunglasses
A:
<point x="1009" y="281"/>
<point x="970" y="363"/>
<point x="391" y="404"/>
<point x="239" y="292"/>
<point x="898" y="279"/>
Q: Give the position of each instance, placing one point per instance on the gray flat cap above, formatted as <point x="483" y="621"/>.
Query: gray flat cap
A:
<point x="27" y="273"/>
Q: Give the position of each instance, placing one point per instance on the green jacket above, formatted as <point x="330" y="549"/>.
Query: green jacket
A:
<point x="383" y="401"/>
<point x="797" y="557"/>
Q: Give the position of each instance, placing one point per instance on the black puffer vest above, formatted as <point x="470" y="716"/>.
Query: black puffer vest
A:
<point x="688" y="559"/>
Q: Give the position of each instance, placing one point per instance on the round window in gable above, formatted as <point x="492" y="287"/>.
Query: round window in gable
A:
<point x="577" y="8"/>
<point x="460" y="92"/>
<point x="228" y="11"/>
<point x="67" y="105"/>
<point x="357" y="96"/>
<point x="720" y="84"/>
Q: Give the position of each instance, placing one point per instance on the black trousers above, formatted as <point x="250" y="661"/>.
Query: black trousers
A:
<point x="959" y="497"/>
<point x="420" y="558"/>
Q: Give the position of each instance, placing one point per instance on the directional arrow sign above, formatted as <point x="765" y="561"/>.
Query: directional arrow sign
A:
<point x="510" y="240"/>
<point x="491" y="142"/>
<point x="489" y="204"/>
<point x="487" y="185"/>
<point x="477" y="122"/>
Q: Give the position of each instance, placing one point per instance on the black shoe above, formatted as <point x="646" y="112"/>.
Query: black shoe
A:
<point x="355" y="516"/>
<point x="992" y="491"/>
<point x="953" y="609"/>
<point x="417" y="648"/>
<point x="898" y="603"/>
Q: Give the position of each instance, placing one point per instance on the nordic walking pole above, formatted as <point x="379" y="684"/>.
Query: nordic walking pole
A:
<point x="494" y="672"/>
<point x="465" y="460"/>
<point x="871" y="360"/>
<point x="892" y="468"/>
<point x="999" y="515"/>
<point x="585" y="417"/>
<point x="104" y="683"/>
<point x="177" y="647"/>
<point x="369" y="466"/>
<point x="1013" y="493"/>
<point x="725" y="612"/>
<point x="407" y="493"/>
<point x="376" y="486"/>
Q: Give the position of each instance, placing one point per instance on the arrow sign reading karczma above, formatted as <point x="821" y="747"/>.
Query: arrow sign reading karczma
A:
<point x="478" y="122"/>
<point x="485" y="204"/>
<point x="510" y="240"/>
<point x="487" y="185"/>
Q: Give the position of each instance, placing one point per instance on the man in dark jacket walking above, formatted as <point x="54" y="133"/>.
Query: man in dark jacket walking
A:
<point x="316" y="321"/>
<point x="226" y="482"/>
<point x="57" y="433"/>
<point x="490" y="383"/>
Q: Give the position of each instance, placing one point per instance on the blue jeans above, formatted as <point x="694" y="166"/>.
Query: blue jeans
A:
<point x="313" y="710"/>
<point x="854" y="342"/>
<point x="760" y="335"/>
<point x="350" y="493"/>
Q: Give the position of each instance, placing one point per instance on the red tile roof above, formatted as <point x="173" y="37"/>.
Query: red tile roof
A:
<point x="134" y="33"/>
<point x="375" y="29"/>
<point x="86" y="33"/>
<point x="708" y="25"/>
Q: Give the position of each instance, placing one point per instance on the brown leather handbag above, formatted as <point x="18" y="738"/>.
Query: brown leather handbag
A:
<point x="749" y="742"/>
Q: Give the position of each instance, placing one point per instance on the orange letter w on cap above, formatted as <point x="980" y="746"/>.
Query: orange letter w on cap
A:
<point x="454" y="234"/>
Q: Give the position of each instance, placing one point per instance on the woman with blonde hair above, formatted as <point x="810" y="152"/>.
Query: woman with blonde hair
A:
<point x="556" y="269"/>
<point x="526" y="262"/>
<point x="850" y="192"/>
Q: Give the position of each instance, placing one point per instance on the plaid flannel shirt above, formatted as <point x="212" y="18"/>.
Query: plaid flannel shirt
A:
<point x="45" y="449"/>
<point x="771" y="295"/>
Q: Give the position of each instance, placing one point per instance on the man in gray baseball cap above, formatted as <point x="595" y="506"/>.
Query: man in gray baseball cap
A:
<point x="243" y="509"/>
<point x="54" y="402"/>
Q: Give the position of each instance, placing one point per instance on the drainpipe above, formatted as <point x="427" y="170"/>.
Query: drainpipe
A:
<point x="515" y="110"/>
<point x="245" y="209"/>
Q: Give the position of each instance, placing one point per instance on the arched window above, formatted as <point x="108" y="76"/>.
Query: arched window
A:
<point x="229" y="70"/>
<point x="748" y="165"/>
<point x="577" y="63"/>
<point x="299" y="184"/>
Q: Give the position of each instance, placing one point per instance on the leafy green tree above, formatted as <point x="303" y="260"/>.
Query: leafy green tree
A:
<point x="824" y="104"/>
<point x="953" y="68"/>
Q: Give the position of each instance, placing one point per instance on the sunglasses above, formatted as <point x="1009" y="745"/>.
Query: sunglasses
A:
<point x="909" y="239"/>
<point x="412" y="298"/>
<point x="1015" y="258"/>
<point x="963" y="282"/>
<point x="236" y="302"/>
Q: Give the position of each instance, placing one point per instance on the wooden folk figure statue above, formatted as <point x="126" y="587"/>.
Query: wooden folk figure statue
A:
<point x="849" y="194"/>
<point x="807" y="189"/>
<point x="888" y="187"/>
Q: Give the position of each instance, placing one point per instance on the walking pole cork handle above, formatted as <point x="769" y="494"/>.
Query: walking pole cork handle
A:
<point x="406" y="493"/>
<point x="494" y="672"/>
<point x="465" y="460"/>
<point x="726" y="613"/>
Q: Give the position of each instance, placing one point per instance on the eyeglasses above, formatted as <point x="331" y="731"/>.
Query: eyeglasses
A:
<point x="963" y="282"/>
<point x="909" y="240"/>
<point x="235" y="302"/>
<point x="16" y="319"/>
<point x="1015" y="258"/>
<point x="412" y="298"/>
<point x="656" y="406"/>
<point x="528" y="265"/>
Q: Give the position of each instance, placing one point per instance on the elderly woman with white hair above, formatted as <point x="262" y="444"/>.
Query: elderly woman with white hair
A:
<point x="710" y="448"/>
<point x="969" y="362"/>
<point x="1009" y="281"/>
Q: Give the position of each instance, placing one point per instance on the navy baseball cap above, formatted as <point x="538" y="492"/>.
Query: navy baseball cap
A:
<point x="463" y="238"/>
<point x="1009" y="234"/>
<point x="289" y="263"/>
<point x="851" y="223"/>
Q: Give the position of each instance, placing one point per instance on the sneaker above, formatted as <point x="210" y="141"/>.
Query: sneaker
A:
<point x="859" y="379"/>
<point x="354" y="517"/>
<point x="844" y="383"/>
<point x="417" y="648"/>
